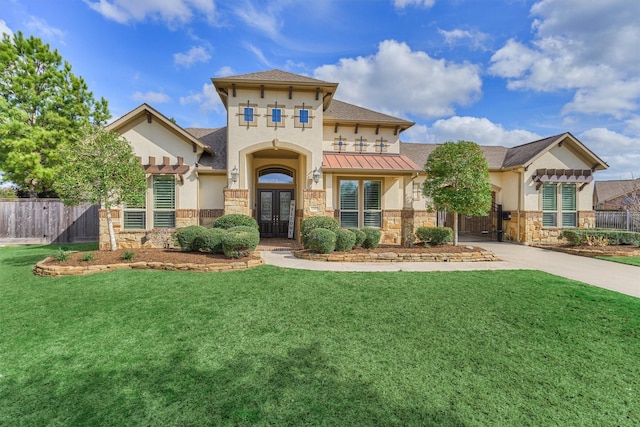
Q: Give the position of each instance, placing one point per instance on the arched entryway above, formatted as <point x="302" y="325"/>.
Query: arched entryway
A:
<point x="276" y="201"/>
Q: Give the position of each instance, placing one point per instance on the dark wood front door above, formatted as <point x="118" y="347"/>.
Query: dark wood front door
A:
<point x="273" y="209"/>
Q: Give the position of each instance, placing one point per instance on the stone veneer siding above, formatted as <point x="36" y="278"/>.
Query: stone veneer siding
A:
<point x="133" y="239"/>
<point x="531" y="232"/>
<point x="236" y="202"/>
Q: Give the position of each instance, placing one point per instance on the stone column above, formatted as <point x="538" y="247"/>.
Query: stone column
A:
<point x="314" y="203"/>
<point x="236" y="202"/>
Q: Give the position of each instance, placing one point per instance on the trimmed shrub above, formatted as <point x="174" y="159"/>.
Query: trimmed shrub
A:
<point x="209" y="240"/>
<point x="322" y="241"/>
<point x="434" y="235"/>
<point x="360" y="236"/>
<point x="235" y="220"/>
<point x="372" y="238"/>
<point x="313" y="222"/>
<point x="185" y="236"/>
<point x="579" y="236"/>
<point x="345" y="240"/>
<point x="240" y="241"/>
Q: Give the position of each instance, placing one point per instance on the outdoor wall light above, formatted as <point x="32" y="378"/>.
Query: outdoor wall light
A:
<point x="316" y="175"/>
<point x="234" y="174"/>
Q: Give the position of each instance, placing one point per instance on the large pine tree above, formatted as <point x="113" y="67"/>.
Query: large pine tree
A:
<point x="42" y="108"/>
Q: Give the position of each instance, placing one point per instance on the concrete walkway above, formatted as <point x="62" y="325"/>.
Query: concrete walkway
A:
<point x="605" y="274"/>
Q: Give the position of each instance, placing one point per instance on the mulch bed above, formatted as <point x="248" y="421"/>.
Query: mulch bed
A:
<point x="586" y="250"/>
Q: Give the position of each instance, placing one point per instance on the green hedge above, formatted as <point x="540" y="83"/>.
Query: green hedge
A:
<point x="185" y="236"/>
<point x="579" y="236"/>
<point x="322" y="241"/>
<point x="372" y="238"/>
<point x="434" y="235"/>
<point x="240" y="241"/>
<point x="210" y="240"/>
<point x="345" y="240"/>
<point x="360" y="236"/>
<point x="235" y="220"/>
<point x="314" y="222"/>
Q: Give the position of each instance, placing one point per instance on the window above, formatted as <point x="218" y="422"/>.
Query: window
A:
<point x="372" y="205"/>
<point x="349" y="204"/>
<point x="164" y="201"/>
<point x="303" y="116"/>
<point x="135" y="217"/>
<point x="276" y="115"/>
<point x="568" y="215"/>
<point x="549" y="205"/>
<point x="417" y="191"/>
<point x="351" y="216"/>
<point x="247" y="114"/>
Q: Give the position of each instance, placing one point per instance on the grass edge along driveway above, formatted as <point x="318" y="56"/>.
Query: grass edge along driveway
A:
<point x="272" y="346"/>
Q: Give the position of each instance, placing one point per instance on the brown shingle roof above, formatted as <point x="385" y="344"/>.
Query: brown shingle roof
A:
<point x="419" y="153"/>
<point x="369" y="162"/>
<point x="343" y="111"/>
<point x="608" y="190"/>
<point x="216" y="140"/>
<point x="524" y="153"/>
<point x="276" y="76"/>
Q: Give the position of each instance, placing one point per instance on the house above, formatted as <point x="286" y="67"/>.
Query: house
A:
<point x="618" y="194"/>
<point x="290" y="150"/>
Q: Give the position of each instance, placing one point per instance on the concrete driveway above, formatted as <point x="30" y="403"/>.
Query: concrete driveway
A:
<point x="605" y="274"/>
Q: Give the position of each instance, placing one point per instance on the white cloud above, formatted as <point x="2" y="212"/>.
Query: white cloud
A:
<point x="151" y="97"/>
<point x="263" y="19"/>
<point x="193" y="55"/>
<point x="224" y="71"/>
<point x="39" y="26"/>
<point x="171" y="12"/>
<point x="207" y="99"/>
<point x="257" y="52"/>
<point x="590" y="48"/>
<point x="4" y="29"/>
<point x="399" y="81"/>
<point x="475" y="39"/>
<point x="477" y="129"/>
<point x="621" y="152"/>
<point x="401" y="4"/>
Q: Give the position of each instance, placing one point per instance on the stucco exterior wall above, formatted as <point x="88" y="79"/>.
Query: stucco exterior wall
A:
<point x="352" y="139"/>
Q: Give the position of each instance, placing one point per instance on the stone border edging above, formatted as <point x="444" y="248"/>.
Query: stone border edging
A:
<point x="42" y="269"/>
<point x="399" y="256"/>
<point x="590" y="252"/>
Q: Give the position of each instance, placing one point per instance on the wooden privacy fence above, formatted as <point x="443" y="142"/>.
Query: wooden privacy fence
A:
<point x="622" y="220"/>
<point x="47" y="221"/>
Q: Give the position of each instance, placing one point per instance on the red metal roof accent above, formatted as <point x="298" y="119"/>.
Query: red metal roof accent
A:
<point x="369" y="161"/>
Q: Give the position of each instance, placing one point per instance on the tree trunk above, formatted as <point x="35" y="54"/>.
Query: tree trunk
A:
<point x="455" y="229"/>
<point x="112" y="234"/>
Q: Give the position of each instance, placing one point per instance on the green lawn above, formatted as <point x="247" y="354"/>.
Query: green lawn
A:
<point x="631" y="260"/>
<point x="272" y="346"/>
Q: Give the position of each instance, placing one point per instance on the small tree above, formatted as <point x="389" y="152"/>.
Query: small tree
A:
<point x="458" y="181"/>
<point x="100" y="168"/>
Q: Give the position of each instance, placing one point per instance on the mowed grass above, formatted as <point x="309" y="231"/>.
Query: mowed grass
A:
<point x="631" y="260"/>
<point x="273" y="346"/>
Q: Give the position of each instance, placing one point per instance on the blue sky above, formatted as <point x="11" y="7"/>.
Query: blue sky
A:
<point x="497" y="72"/>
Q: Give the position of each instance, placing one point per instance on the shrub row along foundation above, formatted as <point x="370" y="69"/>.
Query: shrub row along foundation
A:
<point x="398" y="257"/>
<point x="44" y="269"/>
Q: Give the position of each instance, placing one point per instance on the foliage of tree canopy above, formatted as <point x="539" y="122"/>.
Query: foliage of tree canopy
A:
<point x="42" y="107"/>
<point x="101" y="168"/>
<point x="458" y="181"/>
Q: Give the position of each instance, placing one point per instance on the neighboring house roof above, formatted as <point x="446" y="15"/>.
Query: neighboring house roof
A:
<point x="216" y="140"/>
<point x="499" y="158"/>
<point x="150" y="112"/>
<point x="609" y="190"/>
<point x="342" y="112"/>
<point x="384" y="162"/>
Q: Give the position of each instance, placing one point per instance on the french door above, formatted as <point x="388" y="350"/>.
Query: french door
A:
<point x="273" y="209"/>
